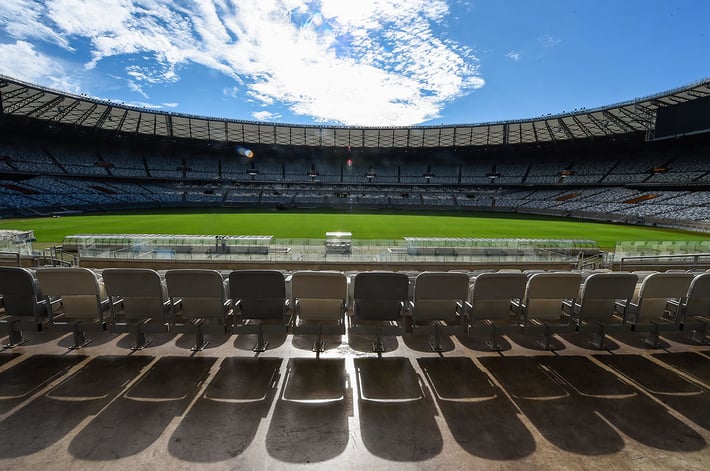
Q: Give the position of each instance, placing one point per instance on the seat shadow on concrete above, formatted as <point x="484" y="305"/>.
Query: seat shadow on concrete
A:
<point x="223" y="422"/>
<point x="627" y="409"/>
<point x="310" y="422"/>
<point x="420" y="343"/>
<point x="690" y="363"/>
<point x="689" y="399"/>
<point x="478" y="343"/>
<point x="530" y="340"/>
<point x="7" y="357"/>
<point x="82" y="395"/>
<point x="187" y="341"/>
<point x="396" y="413"/>
<point x="95" y="337"/>
<point x="305" y="341"/>
<point x="559" y="413"/>
<point x="480" y="417"/>
<point x="246" y="342"/>
<point x="156" y="339"/>
<point x="584" y="340"/>
<point x="136" y="419"/>
<point x="363" y="343"/>
<point x="20" y="381"/>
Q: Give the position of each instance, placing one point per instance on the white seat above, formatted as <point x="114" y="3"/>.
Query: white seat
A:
<point x="542" y="303"/>
<point x="25" y="307"/>
<point x="139" y="302"/>
<point x="491" y="296"/>
<point x="83" y="300"/>
<point x="318" y="300"/>
<point x="199" y="303"/>
<point x="440" y="305"/>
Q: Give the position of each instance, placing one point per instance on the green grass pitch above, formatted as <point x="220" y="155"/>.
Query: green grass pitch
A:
<point x="304" y="224"/>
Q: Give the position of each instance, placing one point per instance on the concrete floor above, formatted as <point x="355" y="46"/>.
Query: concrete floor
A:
<point x="103" y="407"/>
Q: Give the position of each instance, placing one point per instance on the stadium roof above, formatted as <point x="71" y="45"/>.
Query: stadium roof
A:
<point x="21" y="99"/>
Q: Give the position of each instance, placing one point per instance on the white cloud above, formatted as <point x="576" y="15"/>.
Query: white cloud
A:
<point x="367" y="62"/>
<point x="548" y="41"/>
<point x="265" y="116"/>
<point x="514" y="56"/>
<point x="21" y="60"/>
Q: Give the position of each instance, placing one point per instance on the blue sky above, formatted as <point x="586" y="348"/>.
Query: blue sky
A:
<point x="358" y="62"/>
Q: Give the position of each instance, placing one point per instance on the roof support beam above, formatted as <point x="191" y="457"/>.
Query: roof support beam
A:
<point x="22" y="103"/>
<point x="622" y="124"/>
<point x="565" y="129"/>
<point x="85" y="115"/>
<point x="50" y="104"/>
<point x="581" y="126"/>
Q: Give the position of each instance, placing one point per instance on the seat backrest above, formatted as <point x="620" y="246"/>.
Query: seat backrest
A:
<point x="319" y="295"/>
<point x="545" y="292"/>
<point x="80" y="290"/>
<point x="201" y="292"/>
<point x="20" y="294"/>
<point x="491" y="293"/>
<point x="698" y="300"/>
<point x="379" y="295"/>
<point x="261" y="293"/>
<point x="656" y="289"/>
<point x="600" y="292"/>
<point x="436" y="294"/>
<point x="143" y="292"/>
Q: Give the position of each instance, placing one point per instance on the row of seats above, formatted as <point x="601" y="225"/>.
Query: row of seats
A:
<point x="201" y="301"/>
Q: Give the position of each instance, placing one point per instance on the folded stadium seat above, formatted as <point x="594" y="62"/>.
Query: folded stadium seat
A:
<point x="258" y="298"/>
<point x="648" y="307"/>
<point x="380" y="301"/>
<point x="595" y="309"/>
<point x="200" y="303"/>
<point x="25" y="307"/>
<point x="319" y="304"/>
<point x="491" y="296"/>
<point x="541" y="306"/>
<point x="83" y="300"/>
<point x="694" y="310"/>
<point x="139" y="302"/>
<point x="440" y="305"/>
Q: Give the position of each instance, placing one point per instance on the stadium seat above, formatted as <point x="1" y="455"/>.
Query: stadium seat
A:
<point x="139" y="302"/>
<point x="491" y="296"/>
<point x="259" y="301"/>
<point x="25" y="307"/>
<point x="694" y="311"/>
<point x="440" y="305"/>
<point x="541" y="306"/>
<point x="199" y="301"/>
<point x="380" y="300"/>
<point x="83" y="300"/>
<point x="595" y="309"/>
<point x="648" y="307"/>
<point x="319" y="304"/>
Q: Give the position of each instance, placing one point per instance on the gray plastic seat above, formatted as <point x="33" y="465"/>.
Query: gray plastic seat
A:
<point x="25" y="307"/>
<point x="541" y="306"/>
<point x="649" y="310"/>
<point x="596" y="308"/>
<point x="694" y="310"/>
<point x="199" y="301"/>
<point x="380" y="300"/>
<point x="318" y="300"/>
<point x="139" y="302"/>
<point x="491" y="296"/>
<point x="83" y="300"/>
<point x="258" y="301"/>
<point x="440" y="305"/>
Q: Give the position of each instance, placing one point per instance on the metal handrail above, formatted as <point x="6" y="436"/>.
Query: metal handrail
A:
<point x="695" y="257"/>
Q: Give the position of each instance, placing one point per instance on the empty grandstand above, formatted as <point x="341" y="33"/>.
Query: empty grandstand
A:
<point x="60" y="154"/>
